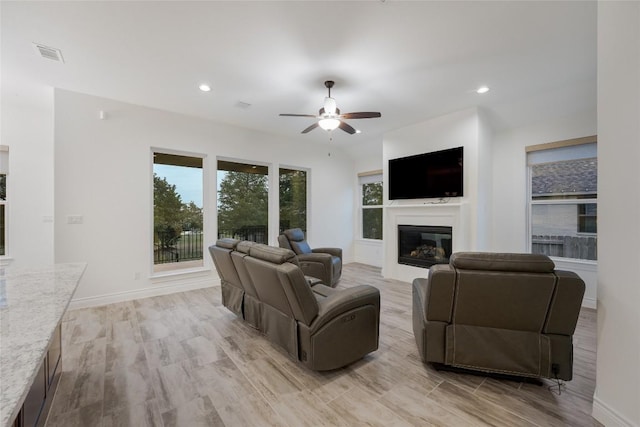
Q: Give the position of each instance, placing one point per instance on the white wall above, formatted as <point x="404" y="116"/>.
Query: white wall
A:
<point x="367" y="157"/>
<point x="103" y="173"/>
<point x="485" y="182"/>
<point x="510" y="174"/>
<point x="617" y="395"/>
<point x="465" y="128"/>
<point x="27" y="128"/>
<point x="509" y="192"/>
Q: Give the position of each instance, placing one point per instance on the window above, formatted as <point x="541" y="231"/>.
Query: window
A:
<point x="563" y="204"/>
<point x="243" y="201"/>
<point x="371" y="204"/>
<point x="177" y="211"/>
<point x="293" y="199"/>
<point x="587" y="215"/>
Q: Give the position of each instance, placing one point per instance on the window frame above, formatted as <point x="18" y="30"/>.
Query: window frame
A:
<point x="178" y="269"/>
<point x="307" y="171"/>
<point x="270" y="185"/>
<point x="364" y="178"/>
<point x="584" y="216"/>
<point x="273" y="194"/>
<point x="530" y="202"/>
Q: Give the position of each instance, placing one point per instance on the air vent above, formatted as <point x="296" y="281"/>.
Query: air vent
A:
<point x="49" y="52"/>
<point x="243" y="105"/>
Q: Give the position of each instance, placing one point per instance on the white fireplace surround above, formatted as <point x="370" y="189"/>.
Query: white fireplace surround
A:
<point x="454" y="215"/>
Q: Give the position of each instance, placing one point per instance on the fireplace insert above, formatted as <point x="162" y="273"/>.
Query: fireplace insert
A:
<point x="424" y="246"/>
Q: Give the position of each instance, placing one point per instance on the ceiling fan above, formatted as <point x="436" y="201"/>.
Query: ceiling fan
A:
<point x="329" y="117"/>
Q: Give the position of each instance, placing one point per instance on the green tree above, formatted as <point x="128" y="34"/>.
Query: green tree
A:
<point x="191" y="217"/>
<point x="167" y="212"/>
<point x="372" y="217"/>
<point x="242" y="201"/>
<point x="293" y="199"/>
<point x="372" y="194"/>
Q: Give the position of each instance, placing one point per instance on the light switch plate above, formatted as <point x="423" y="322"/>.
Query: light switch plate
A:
<point x="74" y="219"/>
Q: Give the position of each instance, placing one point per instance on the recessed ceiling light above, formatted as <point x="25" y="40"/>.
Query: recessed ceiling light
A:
<point x="204" y="87"/>
<point x="482" y="89"/>
<point x="358" y="131"/>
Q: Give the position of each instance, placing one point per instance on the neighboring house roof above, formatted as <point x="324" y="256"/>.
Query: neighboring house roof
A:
<point x="565" y="178"/>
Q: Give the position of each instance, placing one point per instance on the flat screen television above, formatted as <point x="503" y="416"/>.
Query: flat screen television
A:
<point x="437" y="174"/>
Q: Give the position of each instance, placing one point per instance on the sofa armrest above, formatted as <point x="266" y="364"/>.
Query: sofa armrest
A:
<point x="439" y="293"/>
<point x="344" y="300"/>
<point x="566" y="303"/>
<point x="331" y="251"/>
<point x="323" y="290"/>
<point x="322" y="258"/>
<point x="316" y="265"/>
<point x="313" y="281"/>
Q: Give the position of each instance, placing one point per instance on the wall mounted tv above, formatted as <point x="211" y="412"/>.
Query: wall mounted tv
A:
<point x="437" y="174"/>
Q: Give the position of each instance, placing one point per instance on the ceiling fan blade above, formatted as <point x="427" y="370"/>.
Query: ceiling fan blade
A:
<point x="310" y="128"/>
<point x="347" y="128"/>
<point x="298" y="115"/>
<point x="361" y="115"/>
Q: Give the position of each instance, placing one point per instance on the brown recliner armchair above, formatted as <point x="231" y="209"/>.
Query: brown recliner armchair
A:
<point x="510" y="314"/>
<point x="323" y="263"/>
<point x="323" y="328"/>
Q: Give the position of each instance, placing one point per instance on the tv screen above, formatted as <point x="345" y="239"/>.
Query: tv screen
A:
<point x="430" y="175"/>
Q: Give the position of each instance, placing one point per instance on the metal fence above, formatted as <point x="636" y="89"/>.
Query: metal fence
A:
<point x="254" y="233"/>
<point x="188" y="247"/>
<point x="578" y="247"/>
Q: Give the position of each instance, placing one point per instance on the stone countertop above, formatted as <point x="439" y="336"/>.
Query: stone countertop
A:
<point x="32" y="303"/>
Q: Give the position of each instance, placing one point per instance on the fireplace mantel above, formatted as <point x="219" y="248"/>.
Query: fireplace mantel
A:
<point x="424" y="205"/>
<point x="455" y="215"/>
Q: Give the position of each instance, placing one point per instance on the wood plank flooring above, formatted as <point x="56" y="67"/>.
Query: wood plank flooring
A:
<point x="185" y="360"/>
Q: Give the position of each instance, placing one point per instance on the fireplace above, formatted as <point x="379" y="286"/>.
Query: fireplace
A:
<point x="424" y="246"/>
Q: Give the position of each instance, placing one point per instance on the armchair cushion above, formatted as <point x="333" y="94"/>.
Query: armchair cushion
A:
<point x="297" y="242"/>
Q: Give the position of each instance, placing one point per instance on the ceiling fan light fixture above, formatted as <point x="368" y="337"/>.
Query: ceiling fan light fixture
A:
<point x="329" y="116"/>
<point x="329" y="124"/>
<point x="330" y="105"/>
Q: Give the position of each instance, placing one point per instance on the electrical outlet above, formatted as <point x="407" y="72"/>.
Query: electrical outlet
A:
<point x="74" y="219"/>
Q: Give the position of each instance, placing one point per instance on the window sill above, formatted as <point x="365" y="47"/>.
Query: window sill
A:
<point x="5" y="261"/>
<point x="369" y="241"/>
<point x="587" y="264"/>
<point x="181" y="272"/>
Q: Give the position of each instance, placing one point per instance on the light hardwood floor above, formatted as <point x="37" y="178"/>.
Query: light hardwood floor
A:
<point x="185" y="360"/>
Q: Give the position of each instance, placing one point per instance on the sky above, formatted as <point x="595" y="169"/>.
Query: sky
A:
<point x="188" y="181"/>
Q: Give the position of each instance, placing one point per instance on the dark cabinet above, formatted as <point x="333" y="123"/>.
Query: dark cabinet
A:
<point x="53" y="357"/>
<point x="36" y="397"/>
<point x="38" y="401"/>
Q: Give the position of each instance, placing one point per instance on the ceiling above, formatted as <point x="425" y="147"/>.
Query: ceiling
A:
<point x="409" y="60"/>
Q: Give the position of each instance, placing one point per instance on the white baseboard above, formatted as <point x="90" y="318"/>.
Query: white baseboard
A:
<point x="608" y="416"/>
<point x="589" y="303"/>
<point x="152" y="291"/>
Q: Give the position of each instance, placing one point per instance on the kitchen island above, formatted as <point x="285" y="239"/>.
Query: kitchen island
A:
<point x="32" y="303"/>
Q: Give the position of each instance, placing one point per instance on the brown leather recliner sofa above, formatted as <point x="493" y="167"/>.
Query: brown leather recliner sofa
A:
<point x="322" y="327"/>
<point x="510" y="314"/>
<point x="323" y="263"/>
